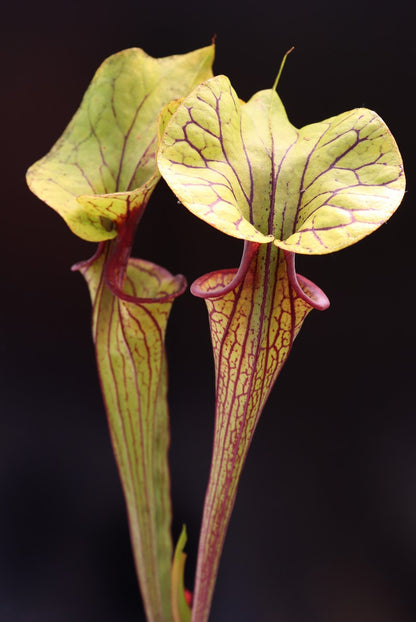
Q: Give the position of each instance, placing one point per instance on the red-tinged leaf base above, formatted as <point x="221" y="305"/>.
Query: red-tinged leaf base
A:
<point x="131" y="305"/>
<point x="255" y="314"/>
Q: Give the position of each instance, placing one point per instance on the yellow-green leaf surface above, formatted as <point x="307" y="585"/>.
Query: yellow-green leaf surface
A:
<point x="254" y="314"/>
<point x="128" y="329"/>
<point x="246" y="170"/>
<point x="180" y="608"/>
<point x="103" y="166"/>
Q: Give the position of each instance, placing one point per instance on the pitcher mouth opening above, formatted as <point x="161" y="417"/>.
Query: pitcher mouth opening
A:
<point x="306" y="289"/>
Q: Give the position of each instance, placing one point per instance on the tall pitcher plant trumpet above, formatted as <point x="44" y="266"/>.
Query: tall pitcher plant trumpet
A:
<point x="247" y="171"/>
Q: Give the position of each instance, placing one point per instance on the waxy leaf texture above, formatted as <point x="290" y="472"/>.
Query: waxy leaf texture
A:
<point x="255" y="314"/>
<point x="103" y="166"/>
<point x="128" y="330"/>
<point x="244" y="169"/>
<point x="99" y="177"/>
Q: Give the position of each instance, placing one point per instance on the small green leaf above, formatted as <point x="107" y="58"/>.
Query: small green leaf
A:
<point x="103" y="166"/>
<point x="180" y="608"/>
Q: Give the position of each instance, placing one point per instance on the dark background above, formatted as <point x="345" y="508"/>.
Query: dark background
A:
<point x="324" y="528"/>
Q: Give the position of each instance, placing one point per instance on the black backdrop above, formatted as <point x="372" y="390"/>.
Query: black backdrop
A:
<point x="324" y="529"/>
